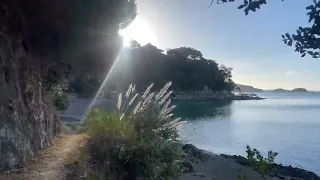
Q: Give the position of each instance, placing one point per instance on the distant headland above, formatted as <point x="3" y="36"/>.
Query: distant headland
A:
<point x="246" y="88"/>
<point x="285" y="90"/>
<point x="251" y="89"/>
<point x="299" y="90"/>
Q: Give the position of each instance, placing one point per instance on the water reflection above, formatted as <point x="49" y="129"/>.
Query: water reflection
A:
<point x="286" y="124"/>
<point x="201" y="109"/>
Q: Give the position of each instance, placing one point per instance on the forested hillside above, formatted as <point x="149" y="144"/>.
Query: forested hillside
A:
<point x="186" y="67"/>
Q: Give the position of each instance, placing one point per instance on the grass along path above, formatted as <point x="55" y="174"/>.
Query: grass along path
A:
<point x="49" y="164"/>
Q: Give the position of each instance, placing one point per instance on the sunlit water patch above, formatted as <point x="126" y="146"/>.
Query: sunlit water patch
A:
<point x="286" y="123"/>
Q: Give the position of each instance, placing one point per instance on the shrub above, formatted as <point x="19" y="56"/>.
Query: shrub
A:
<point x="101" y="123"/>
<point x="61" y="102"/>
<point x="139" y="141"/>
<point x="242" y="177"/>
<point x="261" y="164"/>
<point x="58" y="96"/>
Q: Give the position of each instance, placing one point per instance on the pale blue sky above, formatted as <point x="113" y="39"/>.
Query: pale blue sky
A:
<point x="250" y="44"/>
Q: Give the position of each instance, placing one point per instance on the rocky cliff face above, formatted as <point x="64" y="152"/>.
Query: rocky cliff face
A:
<point x="27" y="124"/>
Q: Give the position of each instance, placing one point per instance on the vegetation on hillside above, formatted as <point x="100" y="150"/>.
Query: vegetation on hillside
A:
<point x="84" y="86"/>
<point x="186" y="67"/>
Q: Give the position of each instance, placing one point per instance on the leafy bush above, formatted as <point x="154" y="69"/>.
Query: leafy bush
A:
<point x="58" y="96"/>
<point x="61" y="102"/>
<point x="242" y="177"/>
<point x="261" y="164"/>
<point x="139" y="141"/>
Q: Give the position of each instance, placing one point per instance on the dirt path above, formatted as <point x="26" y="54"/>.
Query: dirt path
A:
<point x="49" y="164"/>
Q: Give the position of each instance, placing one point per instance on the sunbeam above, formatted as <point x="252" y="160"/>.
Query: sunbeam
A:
<point x="104" y="81"/>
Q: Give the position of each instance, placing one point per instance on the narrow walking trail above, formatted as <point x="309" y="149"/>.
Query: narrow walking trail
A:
<point x="49" y="164"/>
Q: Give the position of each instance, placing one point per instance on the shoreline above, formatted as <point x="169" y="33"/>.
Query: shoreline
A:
<point x="221" y="166"/>
<point x="215" y="96"/>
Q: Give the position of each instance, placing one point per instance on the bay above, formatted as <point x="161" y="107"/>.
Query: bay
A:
<point x="288" y="123"/>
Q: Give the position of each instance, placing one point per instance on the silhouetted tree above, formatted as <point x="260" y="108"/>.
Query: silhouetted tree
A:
<point x="185" y="67"/>
<point x="134" y="44"/>
<point x="186" y="52"/>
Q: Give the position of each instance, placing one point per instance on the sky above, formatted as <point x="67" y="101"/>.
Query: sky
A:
<point x="251" y="45"/>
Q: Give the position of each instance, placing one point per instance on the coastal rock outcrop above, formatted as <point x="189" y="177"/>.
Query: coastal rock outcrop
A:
<point x="222" y="166"/>
<point x="27" y="123"/>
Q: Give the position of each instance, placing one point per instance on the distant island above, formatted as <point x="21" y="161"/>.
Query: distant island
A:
<point x="285" y="90"/>
<point x="251" y="89"/>
<point x="246" y="88"/>
<point x="299" y="90"/>
<point x="280" y="90"/>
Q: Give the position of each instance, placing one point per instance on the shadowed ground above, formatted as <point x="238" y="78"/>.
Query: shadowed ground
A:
<point x="49" y="164"/>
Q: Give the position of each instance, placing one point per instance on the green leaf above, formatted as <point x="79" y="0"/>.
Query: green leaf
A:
<point x="303" y="55"/>
<point x="246" y="11"/>
<point x="309" y="7"/>
<point x="288" y="35"/>
<point x="298" y="31"/>
<point x="241" y="6"/>
<point x="310" y="52"/>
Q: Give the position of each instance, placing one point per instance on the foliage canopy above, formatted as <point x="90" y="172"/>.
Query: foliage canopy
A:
<point x="186" y="67"/>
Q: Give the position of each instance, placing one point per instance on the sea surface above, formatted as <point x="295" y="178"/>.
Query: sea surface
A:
<point x="288" y="123"/>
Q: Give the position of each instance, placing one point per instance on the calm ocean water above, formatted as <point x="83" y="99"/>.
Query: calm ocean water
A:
<point x="288" y="123"/>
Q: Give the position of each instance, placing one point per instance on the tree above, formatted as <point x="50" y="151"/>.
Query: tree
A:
<point x="186" y="52"/>
<point x="306" y="40"/>
<point x="185" y="67"/>
<point x="134" y="44"/>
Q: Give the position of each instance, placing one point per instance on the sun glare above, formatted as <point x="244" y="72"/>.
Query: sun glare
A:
<point x="138" y="30"/>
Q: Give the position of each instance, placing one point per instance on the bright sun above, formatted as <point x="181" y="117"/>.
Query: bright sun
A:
<point x="138" y="30"/>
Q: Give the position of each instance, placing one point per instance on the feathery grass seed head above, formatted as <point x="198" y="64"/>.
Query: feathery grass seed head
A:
<point x="119" y="101"/>
<point x="163" y="90"/>
<point x="165" y="97"/>
<point x="132" y="99"/>
<point x="129" y="90"/>
<point x="146" y="92"/>
<point x="136" y="109"/>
